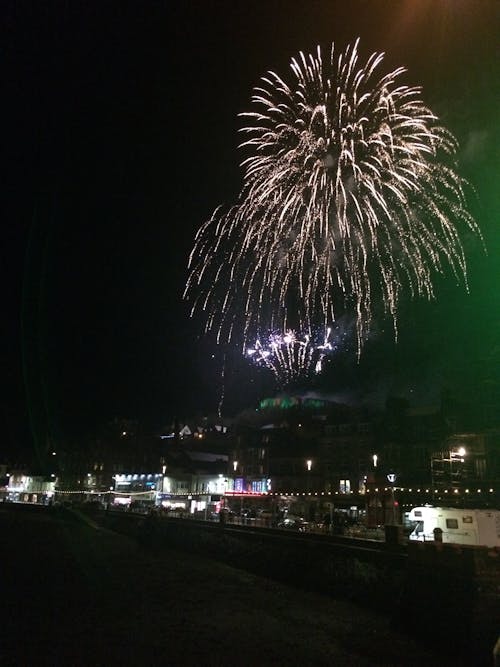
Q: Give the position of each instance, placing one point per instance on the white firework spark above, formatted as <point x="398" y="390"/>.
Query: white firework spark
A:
<point x="350" y="197"/>
<point x="291" y="357"/>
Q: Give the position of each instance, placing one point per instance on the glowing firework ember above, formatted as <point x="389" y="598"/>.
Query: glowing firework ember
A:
<point x="290" y="357"/>
<point x="350" y="197"/>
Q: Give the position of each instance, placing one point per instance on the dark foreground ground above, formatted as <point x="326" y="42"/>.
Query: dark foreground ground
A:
<point x="73" y="595"/>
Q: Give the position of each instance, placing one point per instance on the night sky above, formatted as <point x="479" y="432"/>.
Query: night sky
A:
<point x="120" y="139"/>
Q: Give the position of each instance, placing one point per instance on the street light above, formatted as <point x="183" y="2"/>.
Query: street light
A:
<point x="444" y="472"/>
<point x="391" y="477"/>
<point x="308" y="466"/>
<point x="374" y="476"/>
<point x="457" y="456"/>
<point x="235" y="468"/>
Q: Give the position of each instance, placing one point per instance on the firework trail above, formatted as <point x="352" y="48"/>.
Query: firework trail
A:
<point x="223" y="388"/>
<point x="350" y="198"/>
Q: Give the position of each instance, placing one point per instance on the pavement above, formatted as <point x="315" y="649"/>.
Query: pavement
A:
<point x="78" y="595"/>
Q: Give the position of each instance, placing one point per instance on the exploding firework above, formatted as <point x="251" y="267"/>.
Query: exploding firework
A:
<point x="291" y="357"/>
<point x="350" y="198"/>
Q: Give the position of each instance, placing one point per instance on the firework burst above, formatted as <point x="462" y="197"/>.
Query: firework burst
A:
<point x="291" y="357"/>
<point x="350" y="198"/>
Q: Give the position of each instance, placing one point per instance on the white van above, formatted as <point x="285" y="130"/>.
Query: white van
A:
<point x="456" y="526"/>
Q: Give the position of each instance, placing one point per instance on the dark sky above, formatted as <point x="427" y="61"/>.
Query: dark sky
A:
<point x="119" y="140"/>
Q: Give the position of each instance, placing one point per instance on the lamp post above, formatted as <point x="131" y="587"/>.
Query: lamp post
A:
<point x="308" y="489"/>
<point x="392" y="478"/>
<point x="235" y="468"/>
<point x="375" y="462"/>
<point x="457" y="456"/>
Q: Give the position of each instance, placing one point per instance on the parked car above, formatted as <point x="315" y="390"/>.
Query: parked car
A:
<point x="141" y="507"/>
<point x="294" y="523"/>
<point x="223" y="515"/>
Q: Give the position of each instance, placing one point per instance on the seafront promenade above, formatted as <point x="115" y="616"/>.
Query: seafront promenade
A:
<point x="79" y="595"/>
